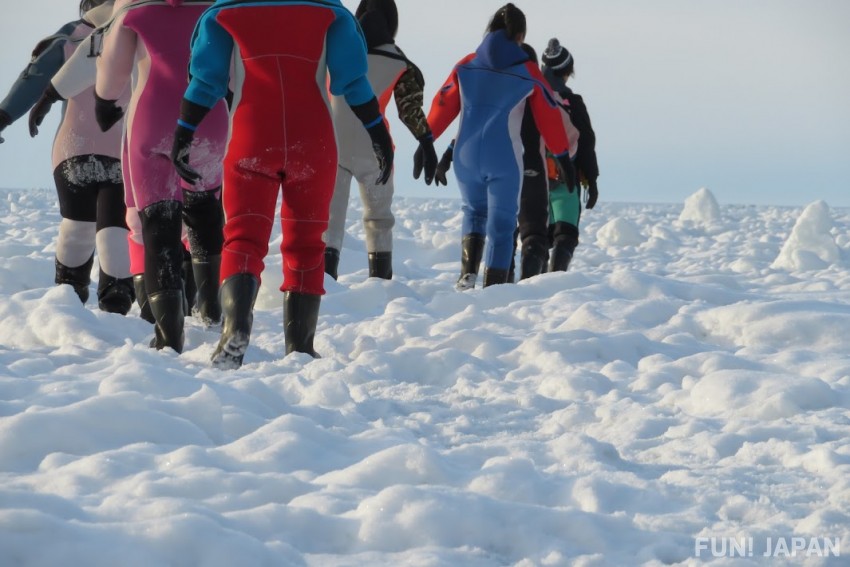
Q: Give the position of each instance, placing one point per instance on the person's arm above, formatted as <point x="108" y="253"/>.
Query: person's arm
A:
<point x="78" y="73"/>
<point x="347" y="61"/>
<point x="114" y="68"/>
<point x="46" y="60"/>
<point x="209" y="79"/>
<point x="446" y="104"/>
<point x="409" y="95"/>
<point x="348" y="65"/>
<point x="116" y="60"/>
<point x="409" y="98"/>
<point x="586" y="155"/>
<point x="547" y="116"/>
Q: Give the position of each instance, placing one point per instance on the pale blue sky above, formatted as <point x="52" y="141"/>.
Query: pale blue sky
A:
<point x="747" y="98"/>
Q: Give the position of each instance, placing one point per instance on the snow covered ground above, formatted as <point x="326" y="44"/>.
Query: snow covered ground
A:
<point x="685" y="385"/>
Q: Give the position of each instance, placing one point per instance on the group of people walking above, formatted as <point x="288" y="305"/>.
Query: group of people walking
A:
<point x="184" y="120"/>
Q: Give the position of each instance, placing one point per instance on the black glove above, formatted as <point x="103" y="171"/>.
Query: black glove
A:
<point x="180" y="155"/>
<point x="382" y="144"/>
<point x="445" y="165"/>
<point x="592" y="194"/>
<point x="5" y="120"/>
<point x="369" y="113"/>
<point x="568" y="172"/>
<point x="425" y="158"/>
<point x="42" y="107"/>
<point x="191" y="115"/>
<point x="106" y="112"/>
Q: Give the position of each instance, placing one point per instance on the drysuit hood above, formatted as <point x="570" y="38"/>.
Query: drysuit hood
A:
<point x="499" y="52"/>
<point x="100" y="14"/>
<point x="379" y="21"/>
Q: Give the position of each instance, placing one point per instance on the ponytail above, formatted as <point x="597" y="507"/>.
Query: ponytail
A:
<point x="508" y="18"/>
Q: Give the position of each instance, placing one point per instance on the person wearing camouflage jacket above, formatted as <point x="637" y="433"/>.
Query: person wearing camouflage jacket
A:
<point x="390" y="74"/>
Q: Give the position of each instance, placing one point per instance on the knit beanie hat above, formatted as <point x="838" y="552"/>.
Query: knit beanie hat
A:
<point x="556" y="56"/>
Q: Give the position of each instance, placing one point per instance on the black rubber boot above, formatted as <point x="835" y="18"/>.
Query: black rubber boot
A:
<point x="512" y="270"/>
<point x="115" y="295"/>
<point x="79" y="278"/>
<point x="494" y="276"/>
<point x="562" y="255"/>
<point x="167" y="309"/>
<point x="203" y="218"/>
<point x="190" y="288"/>
<point x="533" y="257"/>
<point x="238" y="293"/>
<point x="207" y="306"/>
<point x="472" y="249"/>
<point x="300" y="317"/>
<point x="142" y="298"/>
<point x="563" y="247"/>
<point x="381" y="265"/>
<point x="332" y="262"/>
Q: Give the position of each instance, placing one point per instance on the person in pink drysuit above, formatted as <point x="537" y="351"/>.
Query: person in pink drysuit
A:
<point x="152" y="38"/>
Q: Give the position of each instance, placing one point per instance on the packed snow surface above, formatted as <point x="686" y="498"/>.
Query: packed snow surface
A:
<point x="688" y="378"/>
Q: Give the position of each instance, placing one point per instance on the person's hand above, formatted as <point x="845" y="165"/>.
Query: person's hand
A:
<point x="106" y="112"/>
<point x="444" y="166"/>
<point x="425" y="158"/>
<point x="592" y="194"/>
<point x="369" y="113"/>
<point x="41" y="108"/>
<point x="180" y="155"/>
<point x="568" y="172"/>
<point x="382" y="145"/>
<point x="5" y="121"/>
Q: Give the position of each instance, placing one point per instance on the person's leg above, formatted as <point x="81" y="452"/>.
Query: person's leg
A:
<point x="303" y="214"/>
<point x="335" y="234"/>
<point x="115" y="291"/>
<point x="533" y="218"/>
<point x="135" y="242"/>
<point x="566" y="212"/>
<point x="161" y="228"/>
<point x="502" y="209"/>
<point x="137" y="262"/>
<point x="474" y="225"/>
<point x="76" y="242"/>
<point x="378" y="220"/>
<point x="249" y="200"/>
<point x="203" y="217"/>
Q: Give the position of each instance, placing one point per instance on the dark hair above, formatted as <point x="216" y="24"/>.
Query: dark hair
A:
<point x="508" y="18"/>
<point x="86" y="5"/>
<point x="386" y="8"/>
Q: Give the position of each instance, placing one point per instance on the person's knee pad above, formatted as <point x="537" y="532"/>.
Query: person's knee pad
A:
<point x="113" y="252"/>
<point x="76" y="242"/>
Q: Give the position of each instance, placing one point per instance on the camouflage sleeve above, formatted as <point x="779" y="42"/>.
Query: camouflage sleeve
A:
<point x="409" y="97"/>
